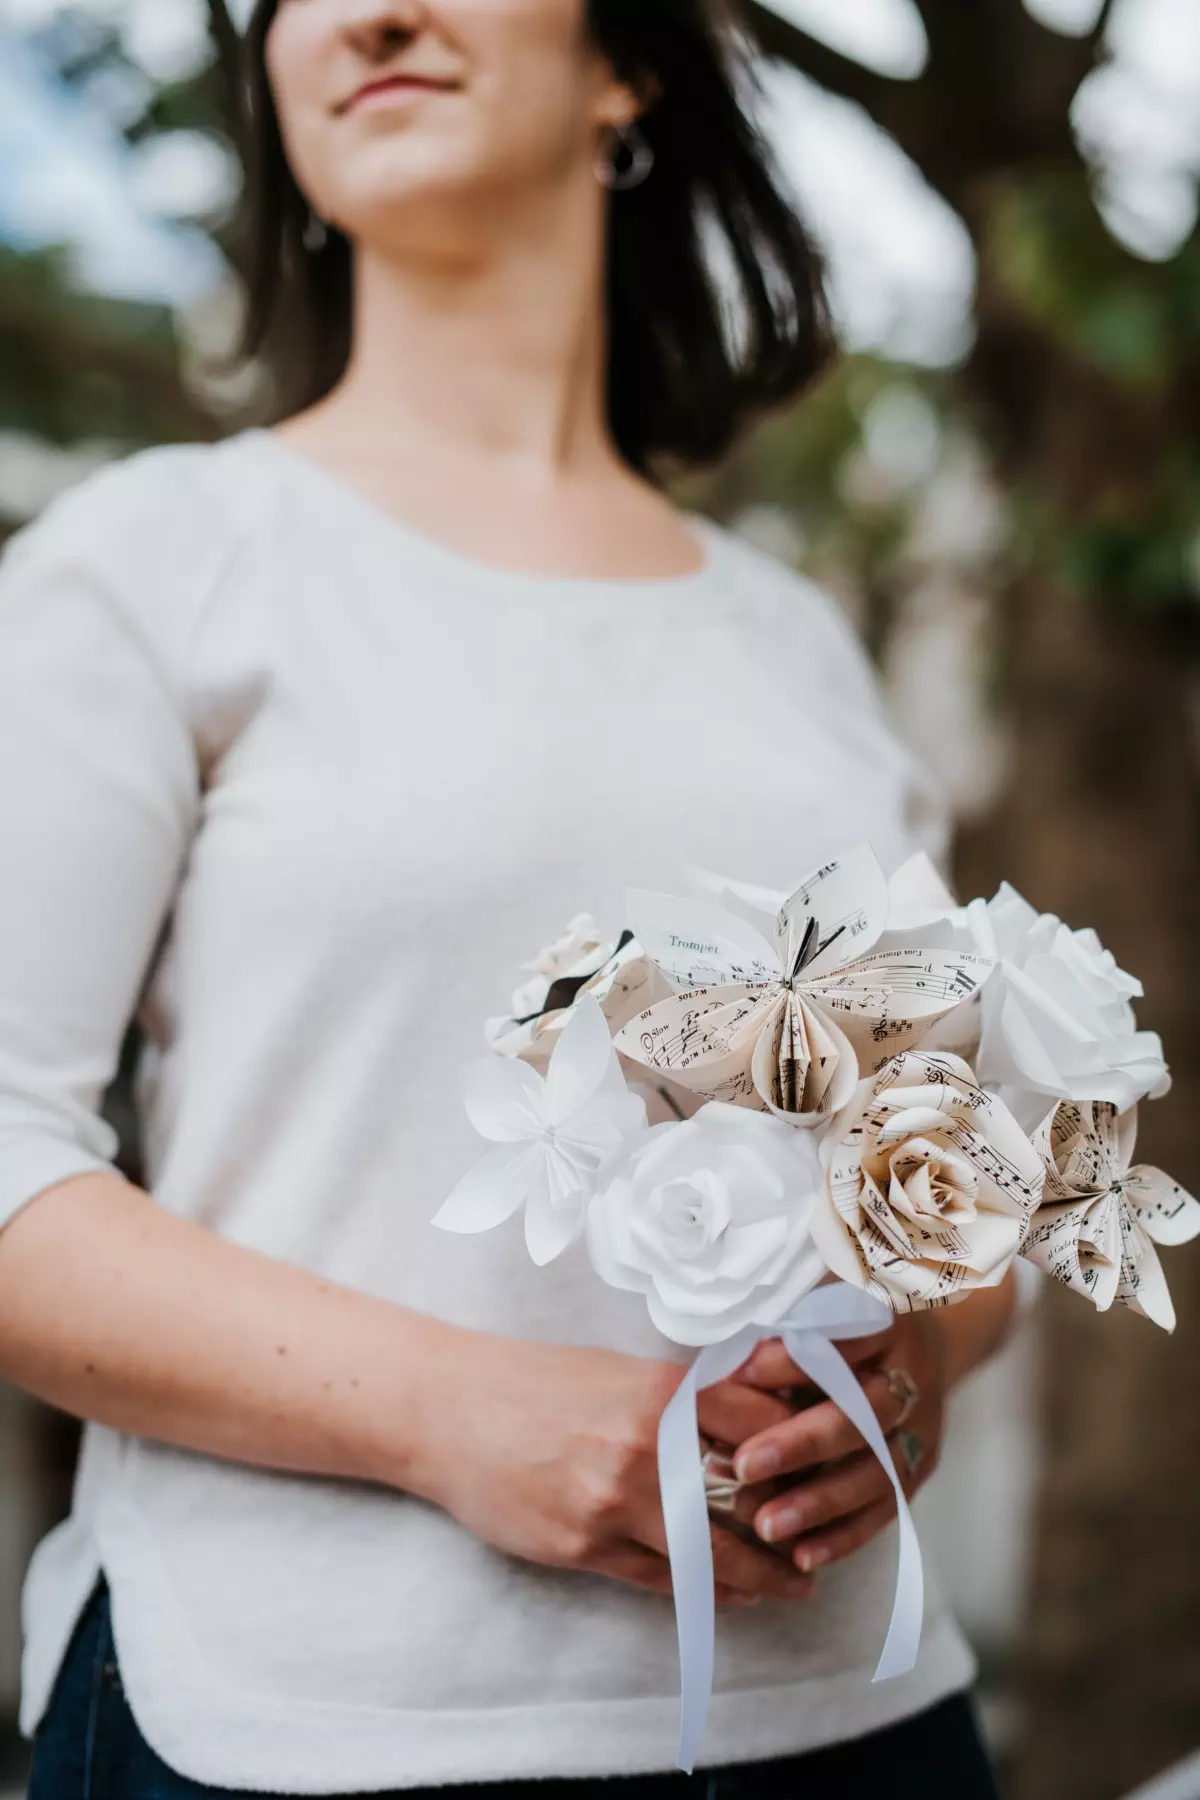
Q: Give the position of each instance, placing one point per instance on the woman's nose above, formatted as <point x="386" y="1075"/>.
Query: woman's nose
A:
<point x="378" y="28"/>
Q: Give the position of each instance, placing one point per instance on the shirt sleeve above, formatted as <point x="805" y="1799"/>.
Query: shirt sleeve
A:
<point x="851" y="686"/>
<point x="98" y="797"/>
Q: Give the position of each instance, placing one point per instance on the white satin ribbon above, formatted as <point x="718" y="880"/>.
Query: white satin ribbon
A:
<point x="828" y="1314"/>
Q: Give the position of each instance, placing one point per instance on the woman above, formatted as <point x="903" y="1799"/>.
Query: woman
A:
<point x="304" y="739"/>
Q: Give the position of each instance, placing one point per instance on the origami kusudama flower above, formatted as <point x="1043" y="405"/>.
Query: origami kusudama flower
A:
<point x="711" y="1220"/>
<point x="1100" y="1219"/>
<point x="578" y="966"/>
<point x="783" y="1025"/>
<point x="922" y="913"/>
<point x="930" y="1185"/>
<point x="576" y="955"/>
<point x="552" y="1134"/>
<point x="918" y="899"/>
<point x="1057" y="1023"/>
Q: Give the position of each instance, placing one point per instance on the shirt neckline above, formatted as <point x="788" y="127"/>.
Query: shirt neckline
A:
<point x="467" y="569"/>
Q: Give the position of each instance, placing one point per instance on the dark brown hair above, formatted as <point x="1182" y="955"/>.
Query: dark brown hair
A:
<point x="716" y="305"/>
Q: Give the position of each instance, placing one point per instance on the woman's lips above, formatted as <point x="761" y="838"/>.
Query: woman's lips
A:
<point x="395" y="88"/>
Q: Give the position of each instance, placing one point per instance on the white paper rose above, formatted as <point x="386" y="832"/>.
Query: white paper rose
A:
<point x="930" y="1185"/>
<point x="552" y="1135"/>
<point x="1101" y="1218"/>
<point x="711" y="1220"/>
<point x="1057" y="1022"/>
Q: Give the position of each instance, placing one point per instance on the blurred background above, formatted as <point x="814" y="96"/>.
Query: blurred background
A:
<point x="1001" y="482"/>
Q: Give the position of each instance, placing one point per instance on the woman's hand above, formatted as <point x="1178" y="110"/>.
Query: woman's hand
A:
<point x="550" y="1454"/>
<point x="844" y="1498"/>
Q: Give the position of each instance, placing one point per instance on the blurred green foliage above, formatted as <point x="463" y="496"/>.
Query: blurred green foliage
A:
<point x="75" y="367"/>
<point x="1082" y="386"/>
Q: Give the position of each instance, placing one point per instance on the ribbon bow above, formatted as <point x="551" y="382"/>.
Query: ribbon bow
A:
<point x="832" y="1312"/>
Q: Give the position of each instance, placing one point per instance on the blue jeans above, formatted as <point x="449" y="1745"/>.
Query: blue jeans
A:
<point x="88" y="1747"/>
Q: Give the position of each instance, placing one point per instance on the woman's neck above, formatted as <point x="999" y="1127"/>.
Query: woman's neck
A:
<point x="499" y="356"/>
<point x="475" y="406"/>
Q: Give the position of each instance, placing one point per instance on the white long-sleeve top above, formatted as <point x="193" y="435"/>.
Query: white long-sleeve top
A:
<point x="302" y="789"/>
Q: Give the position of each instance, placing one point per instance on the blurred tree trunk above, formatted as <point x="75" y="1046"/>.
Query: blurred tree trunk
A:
<point x="1100" y="826"/>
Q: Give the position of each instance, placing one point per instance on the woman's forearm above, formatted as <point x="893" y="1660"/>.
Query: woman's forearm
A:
<point x="114" y="1310"/>
<point x="974" y="1330"/>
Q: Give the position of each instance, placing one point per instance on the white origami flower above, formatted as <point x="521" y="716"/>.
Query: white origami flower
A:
<point x="1057" y="1020"/>
<point x="710" y="1219"/>
<point x="930" y="1185"/>
<point x="781" y="1025"/>
<point x="1100" y="1219"/>
<point x="552" y="1134"/>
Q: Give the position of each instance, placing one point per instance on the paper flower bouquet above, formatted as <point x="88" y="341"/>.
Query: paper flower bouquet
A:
<point x="865" y="1099"/>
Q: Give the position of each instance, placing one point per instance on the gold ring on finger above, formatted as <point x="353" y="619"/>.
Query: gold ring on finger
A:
<point x="905" y="1392"/>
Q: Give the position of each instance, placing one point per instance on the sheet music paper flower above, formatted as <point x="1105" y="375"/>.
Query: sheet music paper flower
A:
<point x="552" y="1134"/>
<point x="1100" y="1218"/>
<point x="711" y="1220"/>
<point x="781" y="1025"/>
<point x="922" y="912"/>
<point x="578" y="966"/>
<point x="575" y="956"/>
<point x="918" y="898"/>
<point x="1057" y="1020"/>
<point x="930" y="1185"/>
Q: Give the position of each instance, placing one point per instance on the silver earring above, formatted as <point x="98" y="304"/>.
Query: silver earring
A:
<point x="315" y="234"/>
<point x="631" y="162"/>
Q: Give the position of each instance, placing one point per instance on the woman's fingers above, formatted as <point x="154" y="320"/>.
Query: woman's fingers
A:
<point x="749" y="1501"/>
<point x="735" y="1599"/>
<point x="742" y="1566"/>
<point x="731" y="1412"/>
<point x="842" y="1539"/>
<point x="738" y="1563"/>
<point x="746" y="1570"/>
<point x="637" y="1567"/>
<point x="641" y="1568"/>
<point x="834" y="1494"/>
<point x="771" y="1368"/>
<point x="823" y="1433"/>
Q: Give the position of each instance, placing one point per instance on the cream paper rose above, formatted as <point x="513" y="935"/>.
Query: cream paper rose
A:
<point x="930" y="1184"/>
<point x="711" y="1220"/>
<point x="1100" y="1219"/>
<point x="1057" y="1019"/>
